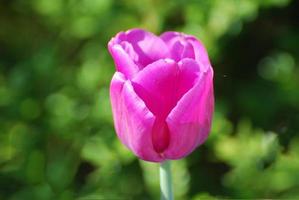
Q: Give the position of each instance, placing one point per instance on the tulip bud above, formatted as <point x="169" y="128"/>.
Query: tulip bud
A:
<point x="161" y="93"/>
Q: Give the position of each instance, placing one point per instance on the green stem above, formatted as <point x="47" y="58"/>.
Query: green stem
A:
<point x="165" y="181"/>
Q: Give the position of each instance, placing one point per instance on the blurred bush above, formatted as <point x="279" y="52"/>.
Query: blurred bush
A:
<point x="56" y="132"/>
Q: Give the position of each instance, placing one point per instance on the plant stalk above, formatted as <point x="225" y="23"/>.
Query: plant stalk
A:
<point x="166" y="181"/>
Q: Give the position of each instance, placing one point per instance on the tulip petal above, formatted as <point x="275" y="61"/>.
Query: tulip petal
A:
<point x="147" y="46"/>
<point x="122" y="60"/>
<point x="160" y="85"/>
<point x="168" y="36"/>
<point x="182" y="49"/>
<point x="178" y="45"/>
<point x="190" y="121"/>
<point x="155" y="85"/>
<point x="201" y="54"/>
<point x="194" y="48"/>
<point x="189" y="73"/>
<point x="133" y="121"/>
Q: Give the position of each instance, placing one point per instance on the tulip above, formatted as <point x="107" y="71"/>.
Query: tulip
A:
<point x="161" y="93"/>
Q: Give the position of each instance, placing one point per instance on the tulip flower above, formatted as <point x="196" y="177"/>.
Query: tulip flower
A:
<point x="161" y="93"/>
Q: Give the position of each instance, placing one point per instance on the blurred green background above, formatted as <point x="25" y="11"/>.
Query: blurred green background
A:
<point x="57" y="139"/>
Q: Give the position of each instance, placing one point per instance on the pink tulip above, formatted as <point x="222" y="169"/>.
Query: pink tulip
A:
<point x="161" y="93"/>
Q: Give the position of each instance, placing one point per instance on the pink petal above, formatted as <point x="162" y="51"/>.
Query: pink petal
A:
<point x="201" y="54"/>
<point x="129" y="50"/>
<point x="170" y="35"/>
<point x="147" y="46"/>
<point x="155" y="85"/>
<point x="189" y="73"/>
<point x="122" y="60"/>
<point x="160" y="85"/>
<point x="182" y="49"/>
<point x="190" y="121"/>
<point x="160" y="135"/>
<point x="178" y="46"/>
<point x="193" y="48"/>
<point x="133" y="121"/>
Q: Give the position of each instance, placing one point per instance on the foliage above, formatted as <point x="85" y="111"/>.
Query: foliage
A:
<point x="56" y="132"/>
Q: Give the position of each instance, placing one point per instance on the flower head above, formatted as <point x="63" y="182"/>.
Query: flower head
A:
<point x="161" y="93"/>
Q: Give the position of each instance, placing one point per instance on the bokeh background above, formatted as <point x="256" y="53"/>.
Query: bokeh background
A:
<point x="57" y="139"/>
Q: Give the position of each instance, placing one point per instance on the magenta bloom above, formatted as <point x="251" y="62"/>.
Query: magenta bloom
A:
<point x="161" y="93"/>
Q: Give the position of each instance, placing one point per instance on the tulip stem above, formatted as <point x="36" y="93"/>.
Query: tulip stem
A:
<point x="165" y="181"/>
